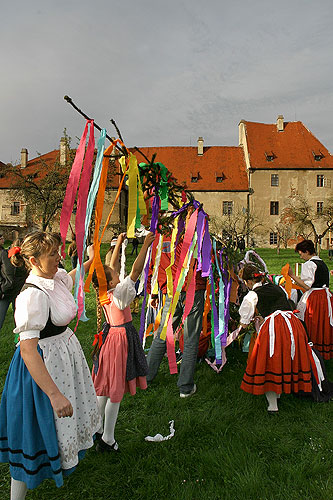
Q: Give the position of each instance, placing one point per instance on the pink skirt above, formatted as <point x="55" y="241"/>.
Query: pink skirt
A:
<point x="110" y="379"/>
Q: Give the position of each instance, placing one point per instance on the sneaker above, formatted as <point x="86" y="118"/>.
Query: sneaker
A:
<point x="102" y="447"/>
<point x="187" y="394"/>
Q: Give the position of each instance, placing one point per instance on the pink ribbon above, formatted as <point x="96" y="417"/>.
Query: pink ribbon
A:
<point x="72" y="186"/>
<point x="81" y="212"/>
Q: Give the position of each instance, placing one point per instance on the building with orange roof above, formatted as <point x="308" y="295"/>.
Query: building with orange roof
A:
<point x="283" y="160"/>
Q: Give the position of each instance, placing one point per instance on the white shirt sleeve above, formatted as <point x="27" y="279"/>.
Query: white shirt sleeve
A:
<point x="124" y="293"/>
<point x="248" y="307"/>
<point x="308" y="272"/>
<point x="32" y="310"/>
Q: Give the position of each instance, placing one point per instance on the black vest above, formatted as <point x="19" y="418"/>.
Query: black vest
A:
<point x="271" y="298"/>
<point x="322" y="275"/>
<point x="49" y="329"/>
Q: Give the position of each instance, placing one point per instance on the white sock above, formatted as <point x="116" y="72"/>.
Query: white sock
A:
<point x="111" y="414"/>
<point x="272" y="398"/>
<point x="18" y="490"/>
<point x="102" y="400"/>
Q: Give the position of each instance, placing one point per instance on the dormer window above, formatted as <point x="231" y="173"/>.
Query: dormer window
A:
<point x="269" y="156"/>
<point x="195" y="177"/>
<point x="318" y="155"/>
<point x="219" y="176"/>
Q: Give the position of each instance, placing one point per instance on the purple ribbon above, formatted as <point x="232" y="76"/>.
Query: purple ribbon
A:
<point x="206" y="252"/>
<point x="153" y="227"/>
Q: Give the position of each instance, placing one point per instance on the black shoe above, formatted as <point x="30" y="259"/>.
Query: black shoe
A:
<point x="102" y="447"/>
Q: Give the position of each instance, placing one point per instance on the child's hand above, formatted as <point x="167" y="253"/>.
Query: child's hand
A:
<point x="149" y="239"/>
<point x="122" y="237"/>
<point x="91" y="251"/>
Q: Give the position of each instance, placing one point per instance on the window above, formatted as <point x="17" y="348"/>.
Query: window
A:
<point x="219" y="178"/>
<point x="194" y="178"/>
<point x="227" y="207"/>
<point x="318" y="155"/>
<point x="269" y="156"/>
<point x="15" y="208"/>
<point x="320" y="181"/>
<point x="273" y="237"/>
<point x="274" y="208"/>
<point x="274" y="180"/>
<point x="320" y="207"/>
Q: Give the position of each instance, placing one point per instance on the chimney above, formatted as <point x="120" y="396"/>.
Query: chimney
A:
<point x="63" y="151"/>
<point x="279" y="123"/>
<point x="200" y="146"/>
<point x="24" y="157"/>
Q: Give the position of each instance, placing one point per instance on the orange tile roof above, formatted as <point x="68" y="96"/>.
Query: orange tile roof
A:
<point x="183" y="162"/>
<point x="292" y="148"/>
<point x="40" y="164"/>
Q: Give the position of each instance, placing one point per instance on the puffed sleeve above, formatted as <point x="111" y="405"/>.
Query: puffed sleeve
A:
<point x="124" y="293"/>
<point x="247" y="307"/>
<point x="32" y="311"/>
<point x="308" y="272"/>
<point x="62" y="275"/>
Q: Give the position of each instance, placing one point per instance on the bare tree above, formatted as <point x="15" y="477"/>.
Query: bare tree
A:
<point x="43" y="189"/>
<point x="238" y="224"/>
<point x="308" y="220"/>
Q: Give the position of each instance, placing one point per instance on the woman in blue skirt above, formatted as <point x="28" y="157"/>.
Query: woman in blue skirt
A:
<point x="49" y="411"/>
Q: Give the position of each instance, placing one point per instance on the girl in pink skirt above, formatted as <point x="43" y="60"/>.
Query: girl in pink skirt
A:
<point x="120" y="364"/>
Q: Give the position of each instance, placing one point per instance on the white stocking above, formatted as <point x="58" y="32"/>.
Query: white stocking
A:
<point x="18" y="490"/>
<point x="272" y="398"/>
<point x="111" y="414"/>
<point x="102" y="400"/>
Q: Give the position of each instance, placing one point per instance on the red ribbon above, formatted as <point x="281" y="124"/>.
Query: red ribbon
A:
<point x="13" y="251"/>
<point x="99" y="339"/>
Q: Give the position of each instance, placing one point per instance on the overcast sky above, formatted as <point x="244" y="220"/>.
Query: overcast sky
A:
<point x="167" y="71"/>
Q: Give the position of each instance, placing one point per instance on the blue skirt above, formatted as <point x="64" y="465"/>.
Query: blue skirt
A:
<point x="28" y="439"/>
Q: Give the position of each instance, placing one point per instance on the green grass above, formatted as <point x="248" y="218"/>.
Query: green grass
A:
<point x="225" y="446"/>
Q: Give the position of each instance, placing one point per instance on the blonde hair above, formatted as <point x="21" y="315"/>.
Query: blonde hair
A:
<point x="34" y="245"/>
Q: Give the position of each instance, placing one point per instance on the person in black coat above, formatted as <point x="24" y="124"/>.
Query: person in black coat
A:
<point x="12" y="279"/>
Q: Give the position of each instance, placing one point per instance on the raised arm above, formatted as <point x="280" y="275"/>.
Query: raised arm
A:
<point x="140" y="260"/>
<point x="86" y="264"/>
<point x="115" y="257"/>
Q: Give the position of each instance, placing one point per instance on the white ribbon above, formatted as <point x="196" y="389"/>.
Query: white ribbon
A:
<point x="123" y="259"/>
<point x="318" y="367"/>
<point x="329" y="295"/>
<point x="158" y="437"/>
<point x="286" y="316"/>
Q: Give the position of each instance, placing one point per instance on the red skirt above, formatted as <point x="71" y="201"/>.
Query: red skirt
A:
<point x="279" y="372"/>
<point x="317" y="322"/>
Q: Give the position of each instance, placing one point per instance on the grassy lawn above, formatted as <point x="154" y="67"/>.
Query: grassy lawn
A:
<point x="225" y="446"/>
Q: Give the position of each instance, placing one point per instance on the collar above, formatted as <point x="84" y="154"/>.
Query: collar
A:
<point x="256" y="285"/>
<point x="315" y="257"/>
<point x="45" y="283"/>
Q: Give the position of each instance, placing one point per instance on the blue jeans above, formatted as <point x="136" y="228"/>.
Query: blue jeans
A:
<point x="192" y="330"/>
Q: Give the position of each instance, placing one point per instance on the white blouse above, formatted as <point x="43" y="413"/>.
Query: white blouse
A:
<point x="33" y="307"/>
<point x="248" y="305"/>
<point x="308" y="271"/>
<point x="124" y="293"/>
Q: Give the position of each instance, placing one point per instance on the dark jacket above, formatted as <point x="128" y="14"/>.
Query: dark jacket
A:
<point x="11" y="278"/>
